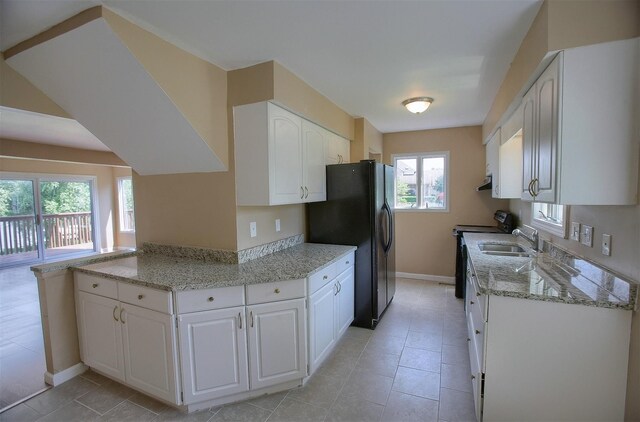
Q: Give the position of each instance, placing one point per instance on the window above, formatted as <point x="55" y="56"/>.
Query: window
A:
<point x="125" y="204"/>
<point x="422" y="181"/>
<point x="551" y="218"/>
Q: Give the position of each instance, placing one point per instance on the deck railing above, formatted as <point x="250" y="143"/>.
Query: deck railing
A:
<point x="19" y="233"/>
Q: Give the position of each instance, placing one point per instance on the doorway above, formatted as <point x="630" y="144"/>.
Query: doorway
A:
<point x="45" y="217"/>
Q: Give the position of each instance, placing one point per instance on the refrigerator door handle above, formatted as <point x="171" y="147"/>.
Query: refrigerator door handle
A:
<point x="387" y="245"/>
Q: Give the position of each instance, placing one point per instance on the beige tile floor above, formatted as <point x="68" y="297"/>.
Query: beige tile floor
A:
<point x="413" y="367"/>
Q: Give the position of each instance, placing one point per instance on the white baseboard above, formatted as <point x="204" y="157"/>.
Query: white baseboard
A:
<point x="65" y="375"/>
<point x="438" y="278"/>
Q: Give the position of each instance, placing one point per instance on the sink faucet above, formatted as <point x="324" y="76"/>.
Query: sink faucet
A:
<point x="533" y="238"/>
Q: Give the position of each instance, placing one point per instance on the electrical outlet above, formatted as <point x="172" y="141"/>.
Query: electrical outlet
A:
<point x="253" y="229"/>
<point x="575" y="231"/>
<point x="606" y="244"/>
<point x="277" y="224"/>
<point x="586" y="236"/>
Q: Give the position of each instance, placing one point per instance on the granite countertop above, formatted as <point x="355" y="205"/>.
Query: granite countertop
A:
<point x="552" y="275"/>
<point x="88" y="259"/>
<point x="174" y="273"/>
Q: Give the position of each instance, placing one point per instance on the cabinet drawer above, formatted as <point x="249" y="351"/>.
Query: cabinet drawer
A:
<point x="345" y="262"/>
<point x="476" y="303"/>
<point x="96" y="285"/>
<point x="145" y="297"/>
<point x="476" y="336"/>
<point x="209" y="299"/>
<point x="272" y="292"/>
<point x="322" y="277"/>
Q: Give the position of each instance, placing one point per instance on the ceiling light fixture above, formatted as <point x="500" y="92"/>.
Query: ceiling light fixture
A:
<point x="417" y="105"/>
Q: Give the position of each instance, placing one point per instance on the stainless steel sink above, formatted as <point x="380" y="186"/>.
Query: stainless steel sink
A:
<point x="503" y="249"/>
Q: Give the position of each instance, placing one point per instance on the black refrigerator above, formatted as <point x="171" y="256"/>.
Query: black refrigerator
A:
<point x="359" y="212"/>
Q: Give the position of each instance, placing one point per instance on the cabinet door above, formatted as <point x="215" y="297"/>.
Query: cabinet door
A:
<point x="528" y="142"/>
<point x="314" y="166"/>
<point x="344" y="150"/>
<point x="149" y="351"/>
<point x="346" y="301"/>
<point x="277" y="336"/>
<point x="492" y="158"/>
<point x="322" y="332"/>
<point x="213" y="350"/>
<point x="285" y="157"/>
<point x="546" y="134"/>
<point x="100" y="334"/>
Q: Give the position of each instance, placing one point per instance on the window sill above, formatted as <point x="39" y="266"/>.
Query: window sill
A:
<point x="548" y="227"/>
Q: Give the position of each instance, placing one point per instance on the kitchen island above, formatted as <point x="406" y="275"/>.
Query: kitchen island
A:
<point x="195" y="332"/>
<point x="548" y="333"/>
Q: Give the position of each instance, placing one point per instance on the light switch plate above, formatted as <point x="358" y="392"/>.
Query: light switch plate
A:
<point x="606" y="244"/>
<point x="586" y="236"/>
<point x="575" y="231"/>
<point x="277" y="224"/>
<point x="253" y="229"/>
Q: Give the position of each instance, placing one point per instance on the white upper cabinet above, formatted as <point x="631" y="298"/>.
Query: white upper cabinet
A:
<point x="338" y="149"/>
<point x="280" y="157"/>
<point x="491" y="158"/>
<point x="580" y="142"/>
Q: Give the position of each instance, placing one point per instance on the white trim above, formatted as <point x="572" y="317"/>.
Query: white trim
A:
<point x="428" y="277"/>
<point x="65" y="375"/>
<point x="555" y="229"/>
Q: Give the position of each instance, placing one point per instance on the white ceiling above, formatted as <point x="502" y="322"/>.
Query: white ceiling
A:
<point x="366" y="56"/>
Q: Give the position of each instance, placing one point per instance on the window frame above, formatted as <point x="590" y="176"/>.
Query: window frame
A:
<point x="419" y="182"/>
<point x="121" y="203"/>
<point x="546" y="224"/>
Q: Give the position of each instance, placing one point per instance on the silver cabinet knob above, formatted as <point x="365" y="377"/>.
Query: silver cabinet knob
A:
<point x="210" y="299"/>
<point x="140" y="297"/>
<point x="276" y="291"/>
<point x="477" y="331"/>
<point x="94" y="285"/>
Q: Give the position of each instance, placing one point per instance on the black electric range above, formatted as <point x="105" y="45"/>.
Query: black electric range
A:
<point x="505" y="224"/>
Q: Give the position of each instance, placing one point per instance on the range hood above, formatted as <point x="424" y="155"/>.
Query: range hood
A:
<point x="485" y="185"/>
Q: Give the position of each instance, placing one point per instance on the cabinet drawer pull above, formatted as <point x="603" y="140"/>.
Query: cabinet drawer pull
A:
<point x="94" y="285"/>
<point x="477" y="331"/>
<point x="325" y="277"/>
<point x="468" y="339"/>
<point x="276" y="291"/>
<point x="473" y="377"/>
<point x="471" y="302"/>
<point x="121" y="318"/>
<point x="140" y="297"/>
<point x="114" y="313"/>
<point x="239" y="321"/>
<point x="211" y="299"/>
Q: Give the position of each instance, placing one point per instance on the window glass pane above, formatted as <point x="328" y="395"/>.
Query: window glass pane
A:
<point x="433" y="182"/>
<point x="406" y="182"/>
<point x="127" y="221"/>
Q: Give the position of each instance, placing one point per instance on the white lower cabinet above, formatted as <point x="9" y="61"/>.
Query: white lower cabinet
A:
<point x="533" y="360"/>
<point x="277" y="342"/>
<point x="129" y="343"/>
<point x="100" y="334"/>
<point x="331" y="308"/>
<point x="213" y="352"/>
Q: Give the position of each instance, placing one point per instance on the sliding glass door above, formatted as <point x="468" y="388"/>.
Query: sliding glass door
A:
<point x="45" y="217"/>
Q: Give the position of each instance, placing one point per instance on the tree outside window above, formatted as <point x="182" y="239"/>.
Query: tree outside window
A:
<point x="125" y="204"/>
<point x="421" y="181"/>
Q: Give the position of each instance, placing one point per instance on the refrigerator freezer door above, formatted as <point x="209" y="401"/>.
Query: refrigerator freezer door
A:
<point x="389" y="181"/>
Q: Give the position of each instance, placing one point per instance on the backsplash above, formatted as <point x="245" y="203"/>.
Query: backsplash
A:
<point x="269" y="248"/>
<point x="219" y="255"/>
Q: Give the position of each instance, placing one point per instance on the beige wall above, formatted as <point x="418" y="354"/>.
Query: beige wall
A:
<point x="104" y="180"/>
<point x="196" y="87"/>
<point x="292" y="222"/>
<point x="424" y="241"/>
<point x="123" y="239"/>
<point x="367" y="139"/>
<point x="562" y="24"/>
<point x="21" y="149"/>
<point x="17" y="92"/>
